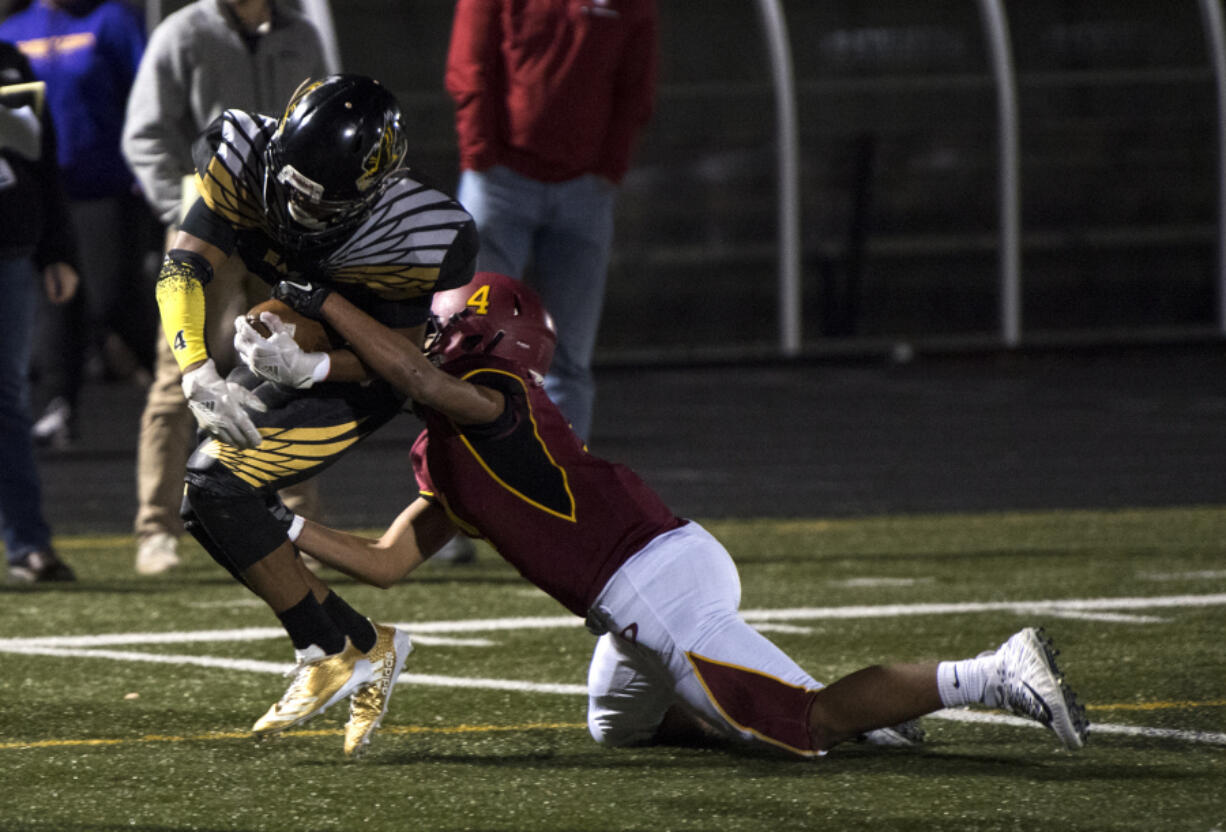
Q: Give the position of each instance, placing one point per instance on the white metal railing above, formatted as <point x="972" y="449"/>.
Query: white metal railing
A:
<point x="996" y="31"/>
<point x="1215" y="37"/>
<point x="996" y="27"/>
<point x="320" y="13"/>
<point x="788" y="143"/>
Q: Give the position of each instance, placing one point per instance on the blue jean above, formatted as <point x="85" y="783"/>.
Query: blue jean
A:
<point x="564" y="231"/>
<point x="21" y="511"/>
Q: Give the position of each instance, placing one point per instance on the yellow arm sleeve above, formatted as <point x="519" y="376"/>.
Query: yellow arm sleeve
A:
<point x="180" y="297"/>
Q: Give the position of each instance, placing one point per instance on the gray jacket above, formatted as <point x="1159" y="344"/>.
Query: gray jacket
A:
<point x="198" y="63"/>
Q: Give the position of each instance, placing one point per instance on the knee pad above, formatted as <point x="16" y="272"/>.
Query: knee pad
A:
<point x="237" y="530"/>
<point x="621" y="719"/>
<point x="193" y="526"/>
<point x="615" y="734"/>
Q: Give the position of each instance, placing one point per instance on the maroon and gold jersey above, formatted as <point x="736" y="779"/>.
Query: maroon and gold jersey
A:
<point x="564" y="518"/>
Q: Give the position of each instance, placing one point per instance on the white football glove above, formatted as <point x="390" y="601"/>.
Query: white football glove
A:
<point x="218" y="406"/>
<point x="278" y="357"/>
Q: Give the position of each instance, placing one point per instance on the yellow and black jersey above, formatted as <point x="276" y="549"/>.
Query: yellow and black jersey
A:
<point x="416" y="240"/>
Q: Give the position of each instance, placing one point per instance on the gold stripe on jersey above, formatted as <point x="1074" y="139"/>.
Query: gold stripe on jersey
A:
<point x="180" y="299"/>
<point x="468" y="529"/>
<point x="392" y="282"/>
<point x="229" y="197"/>
<point x="398" y="251"/>
<point x="569" y="514"/>
<point x="231" y="184"/>
<point x="284" y="452"/>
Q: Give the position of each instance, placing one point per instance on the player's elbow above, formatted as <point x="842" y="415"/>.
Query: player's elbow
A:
<point x="384" y="580"/>
<point x="421" y="381"/>
<point x="390" y="565"/>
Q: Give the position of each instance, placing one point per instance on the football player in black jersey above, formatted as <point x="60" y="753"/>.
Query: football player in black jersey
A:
<point x="323" y="194"/>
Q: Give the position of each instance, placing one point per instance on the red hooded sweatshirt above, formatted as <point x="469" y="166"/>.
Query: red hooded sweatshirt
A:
<point x="553" y="89"/>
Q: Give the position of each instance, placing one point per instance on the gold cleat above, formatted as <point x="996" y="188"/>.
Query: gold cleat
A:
<point x="320" y="681"/>
<point x="369" y="704"/>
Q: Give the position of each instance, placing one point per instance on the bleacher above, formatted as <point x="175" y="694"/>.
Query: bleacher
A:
<point x="898" y="124"/>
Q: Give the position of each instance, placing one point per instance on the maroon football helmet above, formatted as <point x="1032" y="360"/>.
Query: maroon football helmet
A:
<point x="492" y="315"/>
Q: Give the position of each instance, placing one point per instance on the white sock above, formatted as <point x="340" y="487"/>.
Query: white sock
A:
<point x="968" y="682"/>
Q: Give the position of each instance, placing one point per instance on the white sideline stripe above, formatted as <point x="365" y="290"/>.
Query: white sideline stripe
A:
<point x="481" y="625"/>
<point x="1158" y="733"/>
<point x="1027" y="607"/>
<point x="252" y="665"/>
<point x="1113" y="617"/>
<point x="1203" y="575"/>
<point x="415" y="628"/>
<point x="490" y="684"/>
<point x="110" y="639"/>
<point x="790" y="629"/>
<point x="256" y="666"/>
<point x="879" y="582"/>
<point x="953" y="714"/>
<point x="444" y="641"/>
<point x="964" y="715"/>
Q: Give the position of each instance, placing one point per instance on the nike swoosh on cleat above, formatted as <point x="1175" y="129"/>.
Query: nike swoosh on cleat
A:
<point x="1045" y="716"/>
<point x="957" y="682"/>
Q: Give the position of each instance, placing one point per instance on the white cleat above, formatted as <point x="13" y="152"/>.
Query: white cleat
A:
<point x="902" y="735"/>
<point x="1032" y="686"/>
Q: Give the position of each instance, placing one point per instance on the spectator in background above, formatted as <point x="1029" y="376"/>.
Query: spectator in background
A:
<point x="549" y="97"/>
<point x="87" y="52"/>
<point x="35" y="234"/>
<point x="208" y="56"/>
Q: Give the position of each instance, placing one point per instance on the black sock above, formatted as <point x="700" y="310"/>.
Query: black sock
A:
<point x="350" y="622"/>
<point x="308" y="623"/>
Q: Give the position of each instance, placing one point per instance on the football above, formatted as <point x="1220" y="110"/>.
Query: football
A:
<point x="311" y="335"/>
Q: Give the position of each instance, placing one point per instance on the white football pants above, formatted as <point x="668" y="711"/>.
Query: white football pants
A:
<point x="672" y="634"/>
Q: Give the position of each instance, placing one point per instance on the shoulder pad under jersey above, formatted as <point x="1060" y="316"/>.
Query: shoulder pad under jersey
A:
<point x="398" y="251"/>
<point x="229" y="159"/>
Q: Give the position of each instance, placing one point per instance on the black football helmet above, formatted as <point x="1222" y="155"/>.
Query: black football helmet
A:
<point x="330" y="157"/>
<point x="492" y="315"/>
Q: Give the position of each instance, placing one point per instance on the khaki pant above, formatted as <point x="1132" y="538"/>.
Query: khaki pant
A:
<point x="167" y="427"/>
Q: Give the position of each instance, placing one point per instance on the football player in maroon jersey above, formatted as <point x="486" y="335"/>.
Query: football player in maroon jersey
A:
<point x="497" y="460"/>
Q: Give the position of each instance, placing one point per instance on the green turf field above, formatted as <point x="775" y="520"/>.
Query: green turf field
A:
<point x="124" y="701"/>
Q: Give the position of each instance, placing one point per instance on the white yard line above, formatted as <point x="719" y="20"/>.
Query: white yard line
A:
<point x="962" y="715"/>
<point x="431" y="632"/>
<point x="1037" y="607"/>
<point x="1094" y="608"/>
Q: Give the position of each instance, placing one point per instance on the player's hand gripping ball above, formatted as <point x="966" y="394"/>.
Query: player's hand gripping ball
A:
<point x="309" y="334"/>
<point x="292" y="353"/>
